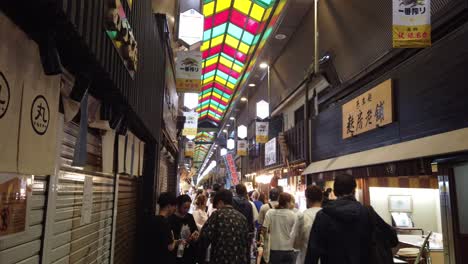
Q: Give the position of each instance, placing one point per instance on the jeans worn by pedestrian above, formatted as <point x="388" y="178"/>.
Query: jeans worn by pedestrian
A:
<point x="282" y="257"/>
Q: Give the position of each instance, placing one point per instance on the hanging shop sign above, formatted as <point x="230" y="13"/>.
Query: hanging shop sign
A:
<point x="242" y="148"/>
<point x="118" y="29"/>
<point x="14" y="193"/>
<point x="188" y="71"/>
<point x="189" y="149"/>
<point x="191" y="124"/>
<point x="261" y="132"/>
<point x="232" y="171"/>
<point x="411" y="23"/>
<point x="191" y="24"/>
<point x="270" y="152"/>
<point x="368" y="111"/>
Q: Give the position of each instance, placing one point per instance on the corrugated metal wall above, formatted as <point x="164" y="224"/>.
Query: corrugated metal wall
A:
<point x="72" y="242"/>
<point x="144" y="93"/>
<point x="125" y="240"/>
<point x="25" y="248"/>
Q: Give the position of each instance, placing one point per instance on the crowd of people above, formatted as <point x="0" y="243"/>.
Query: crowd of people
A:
<point x="237" y="227"/>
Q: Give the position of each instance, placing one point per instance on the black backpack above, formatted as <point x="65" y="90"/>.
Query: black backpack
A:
<point x="383" y="239"/>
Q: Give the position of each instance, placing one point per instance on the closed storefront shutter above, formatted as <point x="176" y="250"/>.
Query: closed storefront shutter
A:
<point x="25" y="248"/>
<point x="163" y="174"/>
<point x="125" y="240"/>
<point x="76" y="238"/>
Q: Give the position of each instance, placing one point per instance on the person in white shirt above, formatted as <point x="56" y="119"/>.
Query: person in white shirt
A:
<point x="306" y="219"/>
<point x="200" y="214"/>
<point x="281" y="223"/>
<point x="264" y="247"/>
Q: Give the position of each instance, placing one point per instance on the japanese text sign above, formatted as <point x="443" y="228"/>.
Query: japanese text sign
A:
<point x="261" y="132"/>
<point x="188" y="71"/>
<point x="14" y="192"/>
<point x="191" y="124"/>
<point x="232" y="171"/>
<point x="189" y="149"/>
<point x="411" y="23"/>
<point x="270" y="152"/>
<point x="368" y="111"/>
<point x="242" y="147"/>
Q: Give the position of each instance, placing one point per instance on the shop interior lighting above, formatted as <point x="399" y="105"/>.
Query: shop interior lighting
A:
<point x="242" y="132"/>
<point x="208" y="169"/>
<point x="265" y="179"/>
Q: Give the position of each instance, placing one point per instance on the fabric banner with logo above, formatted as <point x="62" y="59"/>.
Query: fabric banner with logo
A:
<point x="191" y="124"/>
<point x="270" y="152"/>
<point x="261" y="132"/>
<point x="11" y="87"/>
<point x="231" y="168"/>
<point x="188" y="71"/>
<point x="189" y="149"/>
<point x="242" y="148"/>
<point x="411" y="23"/>
<point x="39" y="113"/>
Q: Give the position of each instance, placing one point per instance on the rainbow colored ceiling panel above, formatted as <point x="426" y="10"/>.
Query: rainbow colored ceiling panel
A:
<point x="200" y="152"/>
<point x="205" y="137"/>
<point x="232" y="31"/>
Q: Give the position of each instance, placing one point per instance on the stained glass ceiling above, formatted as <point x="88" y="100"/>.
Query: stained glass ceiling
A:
<point x="232" y="30"/>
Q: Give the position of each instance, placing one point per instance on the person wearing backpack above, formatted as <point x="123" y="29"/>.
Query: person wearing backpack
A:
<point x="346" y="232"/>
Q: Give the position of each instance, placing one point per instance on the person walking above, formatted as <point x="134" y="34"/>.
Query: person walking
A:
<point x="243" y="205"/>
<point x="314" y="197"/>
<point x="184" y="228"/>
<point x="281" y="223"/>
<point x="346" y="232"/>
<point x="256" y="200"/>
<point x="226" y="233"/>
<point x="264" y="246"/>
<point x="161" y="231"/>
<point x="199" y="214"/>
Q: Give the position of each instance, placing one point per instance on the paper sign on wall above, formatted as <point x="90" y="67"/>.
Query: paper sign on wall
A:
<point x="261" y="132"/>
<point x="87" y="207"/>
<point x="411" y="23"/>
<point x="14" y="192"/>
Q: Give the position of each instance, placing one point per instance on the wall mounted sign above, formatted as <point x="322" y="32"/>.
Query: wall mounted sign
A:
<point x="411" y="23"/>
<point x="368" y="111"/>
<point x="191" y="24"/>
<point x="270" y="152"/>
<point x="119" y="31"/>
<point x="188" y="71"/>
<point x="242" y="148"/>
<point x="4" y="95"/>
<point x="189" y="149"/>
<point x="261" y="132"/>
<point x="191" y="124"/>
<point x="232" y="171"/>
<point x="14" y="192"/>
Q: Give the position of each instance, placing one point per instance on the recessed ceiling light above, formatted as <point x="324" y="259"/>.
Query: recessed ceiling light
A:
<point x="280" y="36"/>
<point x="263" y="65"/>
<point x="225" y="130"/>
<point x="252" y="84"/>
<point x="232" y="118"/>
<point x="244" y="99"/>
<point x="228" y="125"/>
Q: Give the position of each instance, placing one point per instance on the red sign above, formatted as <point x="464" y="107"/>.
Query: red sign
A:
<point x="232" y="169"/>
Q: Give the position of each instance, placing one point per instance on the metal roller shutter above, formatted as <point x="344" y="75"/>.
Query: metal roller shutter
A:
<point x="25" y="248"/>
<point x="125" y="240"/>
<point x="163" y="174"/>
<point x="72" y="242"/>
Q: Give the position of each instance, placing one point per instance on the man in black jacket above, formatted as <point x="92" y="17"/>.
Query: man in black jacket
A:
<point x="242" y="204"/>
<point x="342" y="232"/>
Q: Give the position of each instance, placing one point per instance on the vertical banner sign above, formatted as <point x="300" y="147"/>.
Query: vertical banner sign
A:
<point x="189" y="149"/>
<point x="191" y="124"/>
<point x="87" y="208"/>
<point x="368" y="111"/>
<point x="261" y="132"/>
<point x="232" y="171"/>
<point x="14" y="191"/>
<point x="242" y="148"/>
<point x="411" y="23"/>
<point x="188" y="71"/>
<point x="270" y="152"/>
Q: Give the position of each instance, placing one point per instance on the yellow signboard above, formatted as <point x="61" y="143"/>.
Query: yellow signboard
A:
<point x="411" y="23"/>
<point x="188" y="71"/>
<point x="261" y="132"/>
<point x="242" y="148"/>
<point x="368" y="111"/>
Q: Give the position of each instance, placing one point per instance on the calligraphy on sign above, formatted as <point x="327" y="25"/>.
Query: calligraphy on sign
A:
<point x="368" y="111"/>
<point x="188" y="71"/>
<point x="411" y="23"/>
<point x="4" y="95"/>
<point x="261" y="132"/>
<point x="242" y="147"/>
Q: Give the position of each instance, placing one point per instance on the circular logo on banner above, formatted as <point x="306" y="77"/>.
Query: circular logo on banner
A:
<point x="40" y="115"/>
<point x="4" y="95"/>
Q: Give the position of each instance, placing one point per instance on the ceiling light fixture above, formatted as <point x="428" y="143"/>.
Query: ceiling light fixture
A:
<point x="280" y="36"/>
<point x="232" y="118"/>
<point x="244" y="99"/>
<point x="251" y="84"/>
<point x="263" y="65"/>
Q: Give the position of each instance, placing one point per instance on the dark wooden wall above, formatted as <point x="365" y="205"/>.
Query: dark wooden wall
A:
<point x="430" y="92"/>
